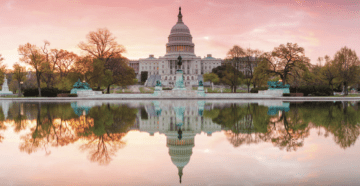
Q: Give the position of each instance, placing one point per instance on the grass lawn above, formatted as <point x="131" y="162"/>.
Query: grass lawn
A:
<point x="147" y="89"/>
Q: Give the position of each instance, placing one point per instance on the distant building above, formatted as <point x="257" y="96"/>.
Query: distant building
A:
<point x="164" y="67"/>
<point x="135" y="65"/>
<point x="244" y="64"/>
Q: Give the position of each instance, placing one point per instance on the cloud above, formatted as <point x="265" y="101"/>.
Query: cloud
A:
<point x="9" y="5"/>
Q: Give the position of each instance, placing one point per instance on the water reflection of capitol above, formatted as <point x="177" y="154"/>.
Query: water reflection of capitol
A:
<point x="168" y="118"/>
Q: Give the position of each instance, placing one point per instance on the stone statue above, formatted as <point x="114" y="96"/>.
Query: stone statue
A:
<point x="179" y="62"/>
<point x="201" y="83"/>
<point x="158" y="83"/>
<point x="277" y="84"/>
<point x="81" y="85"/>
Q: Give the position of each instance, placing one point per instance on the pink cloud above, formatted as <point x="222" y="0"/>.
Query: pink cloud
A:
<point x="321" y="27"/>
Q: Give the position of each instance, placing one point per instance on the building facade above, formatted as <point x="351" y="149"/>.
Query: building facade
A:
<point x="164" y="67"/>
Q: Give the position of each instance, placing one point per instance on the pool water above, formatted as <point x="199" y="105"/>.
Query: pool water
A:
<point x="173" y="142"/>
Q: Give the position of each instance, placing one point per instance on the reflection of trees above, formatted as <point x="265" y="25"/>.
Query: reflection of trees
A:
<point x="340" y="119"/>
<point x="104" y="131"/>
<point x="19" y="119"/>
<point x="102" y="148"/>
<point x="57" y="125"/>
<point x="243" y="123"/>
<point x="51" y="128"/>
<point x="288" y="130"/>
<point x="2" y="124"/>
<point x="250" y="124"/>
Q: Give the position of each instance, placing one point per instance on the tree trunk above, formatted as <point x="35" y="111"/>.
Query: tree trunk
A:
<point x="38" y="84"/>
<point x="346" y="89"/>
<point x="19" y="93"/>
<point x="108" y="89"/>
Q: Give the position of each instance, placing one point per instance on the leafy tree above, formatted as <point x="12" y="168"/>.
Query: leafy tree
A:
<point x="121" y="73"/>
<point x="329" y="72"/>
<point x="234" y="57"/>
<point x="2" y="69"/>
<point x="283" y="59"/>
<point x="347" y="63"/>
<point x="212" y="77"/>
<point x="19" y="75"/>
<point x="229" y="75"/>
<point x="102" y="46"/>
<point x="32" y="56"/>
<point x="144" y="76"/>
<point x="260" y="75"/>
<point x="250" y="63"/>
<point x="232" y="77"/>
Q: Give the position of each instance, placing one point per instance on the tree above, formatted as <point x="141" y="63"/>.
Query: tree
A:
<point x="144" y="76"/>
<point x="229" y="75"/>
<point x="84" y="67"/>
<point x="2" y="69"/>
<point x="121" y="73"/>
<point x="250" y="62"/>
<point x="102" y="46"/>
<point x="283" y="59"/>
<point x="347" y="63"/>
<point x="19" y="75"/>
<point x="32" y="55"/>
<point x="212" y="77"/>
<point x="234" y="58"/>
<point x="49" y="66"/>
<point x="260" y="75"/>
<point x="232" y="77"/>
<point x="329" y="72"/>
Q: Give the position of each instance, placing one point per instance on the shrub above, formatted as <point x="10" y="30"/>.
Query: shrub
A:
<point x="286" y="94"/>
<point x="62" y="95"/>
<point x="167" y="88"/>
<point x="321" y="90"/>
<point x="45" y="92"/>
<point x="256" y="90"/>
<point x="72" y="95"/>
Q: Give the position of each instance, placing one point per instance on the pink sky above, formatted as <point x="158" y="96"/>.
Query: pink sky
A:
<point x="322" y="27"/>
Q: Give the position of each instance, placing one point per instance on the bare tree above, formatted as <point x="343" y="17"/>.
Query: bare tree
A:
<point x="32" y="55"/>
<point x="284" y="58"/>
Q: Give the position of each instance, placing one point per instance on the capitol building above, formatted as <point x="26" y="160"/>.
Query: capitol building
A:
<point x="164" y="67"/>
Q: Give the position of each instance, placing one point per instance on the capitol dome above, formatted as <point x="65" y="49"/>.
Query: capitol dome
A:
<point x="180" y="28"/>
<point x="180" y="39"/>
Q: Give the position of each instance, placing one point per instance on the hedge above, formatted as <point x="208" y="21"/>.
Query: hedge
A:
<point x="321" y="90"/>
<point x="45" y="92"/>
<point x="256" y="90"/>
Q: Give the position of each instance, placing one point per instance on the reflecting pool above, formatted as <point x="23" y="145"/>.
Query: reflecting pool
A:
<point x="171" y="142"/>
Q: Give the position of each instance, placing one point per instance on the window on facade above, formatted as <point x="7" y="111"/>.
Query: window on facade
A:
<point x="188" y="78"/>
<point x="192" y="77"/>
<point x="196" y="71"/>
<point x="174" y="77"/>
<point x="165" y="77"/>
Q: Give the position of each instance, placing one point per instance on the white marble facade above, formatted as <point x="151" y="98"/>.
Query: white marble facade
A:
<point x="179" y="43"/>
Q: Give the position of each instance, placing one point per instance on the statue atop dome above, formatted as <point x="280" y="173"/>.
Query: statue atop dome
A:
<point x="180" y="16"/>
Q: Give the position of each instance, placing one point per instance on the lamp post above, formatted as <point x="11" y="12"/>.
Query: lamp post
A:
<point x="21" y="83"/>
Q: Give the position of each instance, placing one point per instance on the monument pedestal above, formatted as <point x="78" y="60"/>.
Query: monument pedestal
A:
<point x="179" y="84"/>
<point x="5" y="88"/>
